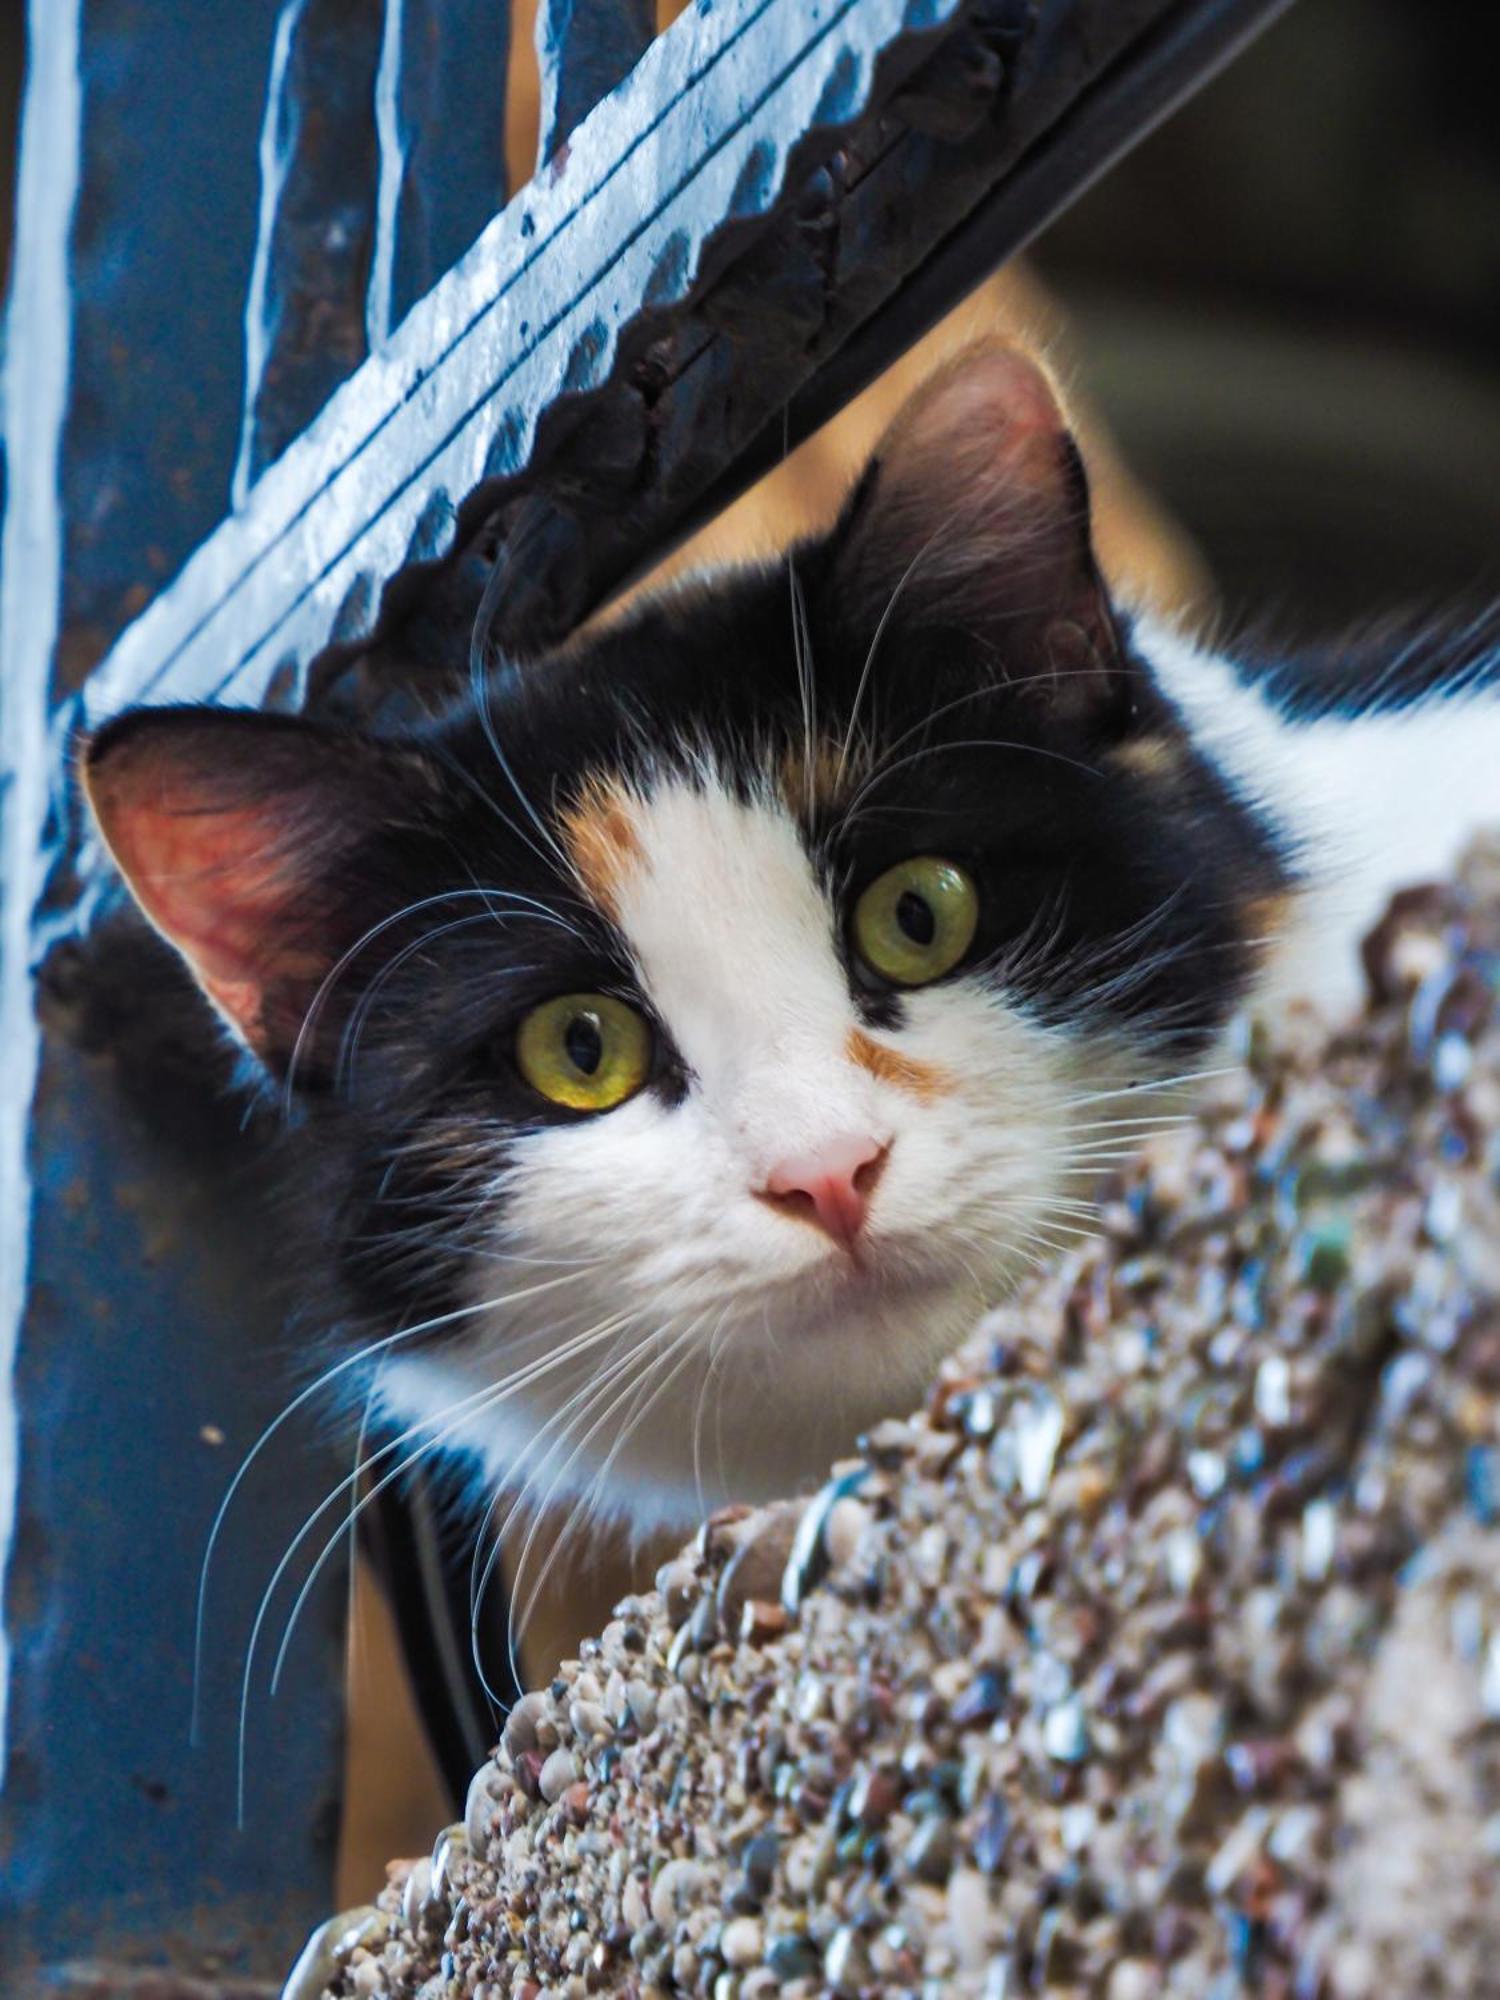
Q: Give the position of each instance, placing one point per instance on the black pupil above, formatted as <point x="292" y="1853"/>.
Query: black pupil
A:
<point x="914" y="915"/>
<point x="584" y="1043"/>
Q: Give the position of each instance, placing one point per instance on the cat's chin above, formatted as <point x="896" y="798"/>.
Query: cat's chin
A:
<point x="788" y="1394"/>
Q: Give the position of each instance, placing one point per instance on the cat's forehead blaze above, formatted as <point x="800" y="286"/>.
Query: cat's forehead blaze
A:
<point x="711" y="883"/>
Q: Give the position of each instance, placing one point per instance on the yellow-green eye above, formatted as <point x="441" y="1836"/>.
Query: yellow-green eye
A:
<point x="916" y="921"/>
<point x="585" y="1050"/>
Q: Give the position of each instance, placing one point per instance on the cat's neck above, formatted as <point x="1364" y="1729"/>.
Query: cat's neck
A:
<point x="1367" y="794"/>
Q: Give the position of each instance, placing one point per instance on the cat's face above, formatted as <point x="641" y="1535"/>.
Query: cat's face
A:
<point x="698" y="1032"/>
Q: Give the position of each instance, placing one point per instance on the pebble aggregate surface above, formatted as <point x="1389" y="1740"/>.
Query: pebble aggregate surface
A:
<point x="1159" y="1653"/>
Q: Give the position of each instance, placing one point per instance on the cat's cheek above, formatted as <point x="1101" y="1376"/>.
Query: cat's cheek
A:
<point x="656" y="1196"/>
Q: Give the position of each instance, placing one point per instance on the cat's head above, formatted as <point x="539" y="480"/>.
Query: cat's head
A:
<point x="700" y="1030"/>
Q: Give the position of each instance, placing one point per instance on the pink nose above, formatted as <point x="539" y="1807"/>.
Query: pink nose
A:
<point x="830" y="1187"/>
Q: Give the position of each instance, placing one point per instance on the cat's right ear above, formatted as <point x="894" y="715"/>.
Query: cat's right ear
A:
<point x="970" y="528"/>
<point x="236" y="833"/>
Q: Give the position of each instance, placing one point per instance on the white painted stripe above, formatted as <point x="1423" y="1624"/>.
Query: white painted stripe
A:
<point x="34" y="388"/>
<point x="379" y="297"/>
<point x="275" y="159"/>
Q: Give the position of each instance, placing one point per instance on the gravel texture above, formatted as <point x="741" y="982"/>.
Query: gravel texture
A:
<point x="1158" y="1654"/>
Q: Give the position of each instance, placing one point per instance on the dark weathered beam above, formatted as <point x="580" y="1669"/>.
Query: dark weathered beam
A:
<point x="692" y="152"/>
<point x="627" y="339"/>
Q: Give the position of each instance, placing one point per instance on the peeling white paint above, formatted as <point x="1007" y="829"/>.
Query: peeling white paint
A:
<point x="277" y="134"/>
<point x="380" y="293"/>
<point x="34" y="388"/>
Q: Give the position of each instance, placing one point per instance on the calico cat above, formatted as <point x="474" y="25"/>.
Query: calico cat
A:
<point x="692" y="1032"/>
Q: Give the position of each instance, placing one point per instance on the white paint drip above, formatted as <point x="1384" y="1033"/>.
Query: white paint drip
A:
<point x="35" y="390"/>
<point x="275" y="154"/>
<point x="380" y="293"/>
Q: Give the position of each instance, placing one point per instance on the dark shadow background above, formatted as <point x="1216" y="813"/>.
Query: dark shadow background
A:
<point x="1288" y="306"/>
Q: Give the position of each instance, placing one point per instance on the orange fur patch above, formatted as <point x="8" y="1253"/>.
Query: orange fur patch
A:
<point x="917" y="1079"/>
<point x="1266" y="919"/>
<point x="599" y="833"/>
<point x="1157" y="759"/>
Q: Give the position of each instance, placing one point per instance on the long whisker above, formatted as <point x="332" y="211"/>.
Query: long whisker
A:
<point x="347" y="958"/>
<point x="303" y="1397"/>
<point x="1141" y="1087"/>
<point x="480" y="684"/>
<point x="681" y="1343"/>
<point x="450" y="1420"/>
<point x="802" y="651"/>
<point x="600" y="1396"/>
<point x="888" y="770"/>
<point x="356" y="1630"/>
<point x="480" y="1576"/>
<point x="865" y="671"/>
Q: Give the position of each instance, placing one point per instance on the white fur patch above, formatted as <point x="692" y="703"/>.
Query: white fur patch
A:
<point x="1371" y="803"/>
<point x="759" y="1350"/>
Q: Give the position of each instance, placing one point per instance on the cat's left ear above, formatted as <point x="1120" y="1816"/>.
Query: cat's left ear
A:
<point x="242" y="837"/>
<point x="971" y="527"/>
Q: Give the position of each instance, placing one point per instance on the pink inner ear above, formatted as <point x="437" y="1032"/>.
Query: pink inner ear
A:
<point x="215" y="885"/>
<point x="984" y="431"/>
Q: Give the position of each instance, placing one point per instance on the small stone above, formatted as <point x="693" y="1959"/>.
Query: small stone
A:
<point x="1489" y="1684"/>
<point x="678" y="1584"/>
<point x="1134" y="1979"/>
<point x="1025" y="1449"/>
<point x="929" y="1853"/>
<point x="759" y="1862"/>
<point x="981" y="1701"/>
<point x="1482" y="1482"/>
<point x="1182" y="1553"/>
<point x="316" y="1967"/>
<point x="363" y="1928"/>
<point x="969" y="1918"/>
<point x="846" y="1964"/>
<point x="1273" y="1391"/>
<point x="635" y="1906"/>
<point x="520" y="1725"/>
<point x="756" y="1570"/>
<point x="1235" y="1854"/>
<point x="742" y="1943"/>
<point x="1207" y="1472"/>
<point x="875" y="1797"/>
<point x="1295" y="1836"/>
<point x="992" y="1836"/>
<point x="761" y="1620"/>
<point x="1325" y="1257"/>
<point x="793" y="1956"/>
<point x="640" y="1699"/>
<point x="555" y="1776"/>
<point x="1065" y="1732"/>
<point x="677" y="1887"/>
<point x="417" y="1894"/>
<point x="589" y="1722"/>
<point x="480" y="1804"/>
<point x="1320" y="1534"/>
<point x="450" y="1846"/>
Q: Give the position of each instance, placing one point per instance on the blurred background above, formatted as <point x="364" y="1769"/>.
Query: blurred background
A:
<point x="1281" y="314"/>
